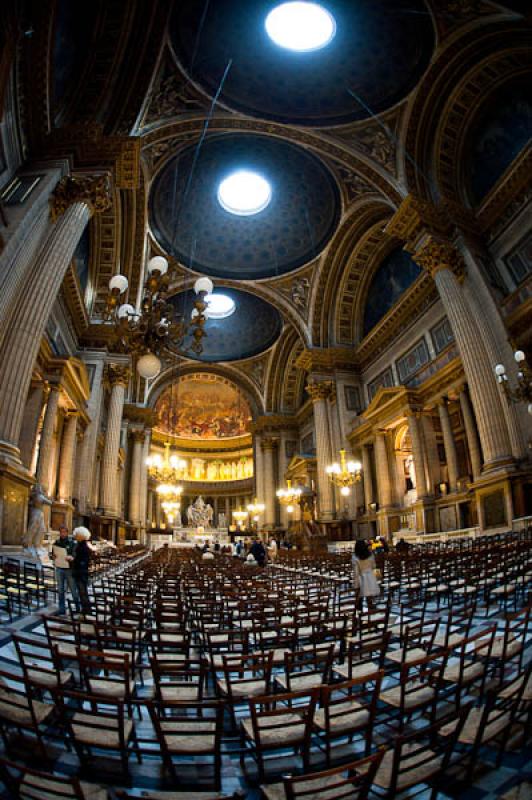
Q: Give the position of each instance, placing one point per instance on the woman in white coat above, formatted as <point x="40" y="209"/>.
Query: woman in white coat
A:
<point x="364" y="581"/>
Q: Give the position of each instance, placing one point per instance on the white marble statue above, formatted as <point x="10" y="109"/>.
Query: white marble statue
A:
<point x="200" y="514"/>
<point x="32" y="540"/>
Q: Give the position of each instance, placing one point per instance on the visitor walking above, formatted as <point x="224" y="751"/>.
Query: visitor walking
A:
<point x="80" y="565"/>
<point x="63" y="568"/>
<point x="364" y="581"/>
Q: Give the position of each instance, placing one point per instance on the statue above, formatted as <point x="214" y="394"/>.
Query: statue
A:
<point x="200" y="514"/>
<point x="212" y="471"/>
<point x="33" y="537"/>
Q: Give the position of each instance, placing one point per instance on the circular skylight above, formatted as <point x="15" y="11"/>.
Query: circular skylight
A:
<point x="244" y="193"/>
<point x="220" y="306"/>
<point x="300" y="26"/>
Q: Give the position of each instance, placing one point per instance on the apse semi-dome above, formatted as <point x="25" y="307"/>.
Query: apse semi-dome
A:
<point x="251" y="328"/>
<point x="290" y="226"/>
<point x="378" y="49"/>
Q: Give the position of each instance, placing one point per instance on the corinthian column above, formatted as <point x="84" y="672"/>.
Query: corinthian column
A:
<point x="473" y="443"/>
<point x="258" y="470"/>
<point x="319" y="393"/>
<point x="136" y="474"/>
<point x="144" y="483"/>
<point x="67" y="458"/>
<point x="32" y="414"/>
<point x="46" y="445"/>
<point x="384" y="487"/>
<point x="73" y="202"/>
<point x="418" y="454"/>
<point x="449" y="445"/>
<point x="268" y="447"/>
<point x="441" y="260"/>
<point x="367" y="477"/>
<point x="118" y="378"/>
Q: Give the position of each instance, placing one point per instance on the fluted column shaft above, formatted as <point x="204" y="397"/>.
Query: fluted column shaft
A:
<point x="283" y="464"/>
<point x="22" y="340"/>
<point x="136" y="475"/>
<point x="47" y="438"/>
<point x="367" y="477"/>
<point x="478" y="370"/>
<point x="449" y="445"/>
<point x="88" y="478"/>
<point x="319" y="393"/>
<point x="258" y="470"/>
<point x="32" y="413"/>
<point x="431" y="453"/>
<point x="109" y="500"/>
<point x="384" y="488"/>
<point x="473" y="443"/>
<point x="144" y="482"/>
<point x="418" y="454"/>
<point x="268" y="448"/>
<point x="67" y="457"/>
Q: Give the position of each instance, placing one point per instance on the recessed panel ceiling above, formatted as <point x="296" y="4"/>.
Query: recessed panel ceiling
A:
<point x="379" y="51"/>
<point x="190" y="223"/>
<point x="253" y="327"/>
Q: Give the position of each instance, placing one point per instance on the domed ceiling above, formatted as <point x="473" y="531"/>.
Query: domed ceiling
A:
<point x="379" y="51"/>
<point x="202" y="406"/>
<point x="189" y="222"/>
<point x="253" y="327"/>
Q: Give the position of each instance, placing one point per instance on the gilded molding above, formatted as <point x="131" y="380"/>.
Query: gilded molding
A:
<point x="435" y="255"/>
<point x="272" y="422"/>
<point x="327" y="359"/>
<point x="140" y="414"/>
<point x="415" y="218"/>
<point x="321" y="390"/>
<point x="117" y="374"/>
<point x="94" y="190"/>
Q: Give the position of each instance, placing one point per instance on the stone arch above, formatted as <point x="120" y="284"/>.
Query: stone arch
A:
<point x="284" y="382"/>
<point x="431" y="108"/>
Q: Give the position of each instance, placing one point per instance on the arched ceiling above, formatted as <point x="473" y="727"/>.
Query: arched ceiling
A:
<point x="189" y="222"/>
<point x="380" y="50"/>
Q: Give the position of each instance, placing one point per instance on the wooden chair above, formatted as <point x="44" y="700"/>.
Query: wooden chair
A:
<point x="508" y="648"/>
<point x="305" y="669"/>
<point x="278" y="722"/>
<point x="189" y="730"/>
<point x="108" y="674"/>
<point x="63" y="638"/>
<point x="364" y="657"/>
<point x="30" y="784"/>
<point x="419" y="687"/>
<point x="19" y="710"/>
<point x="421" y="757"/>
<point x="242" y="677"/>
<point x="178" y="681"/>
<point x="39" y="666"/>
<point x="96" y="723"/>
<point x="349" y="782"/>
<point x="470" y="668"/>
<point x="417" y="641"/>
<point x="347" y="708"/>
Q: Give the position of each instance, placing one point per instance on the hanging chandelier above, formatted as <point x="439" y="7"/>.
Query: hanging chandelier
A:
<point x="239" y="515"/>
<point x="290" y="495"/>
<point x="344" y="474"/>
<point x="170" y="508"/>
<point x="156" y="329"/>
<point x="169" y="490"/>
<point x="256" y="508"/>
<point x="167" y="468"/>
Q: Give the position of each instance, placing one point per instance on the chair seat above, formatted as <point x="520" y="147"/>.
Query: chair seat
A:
<point x="399" y="657"/>
<point x="510" y="688"/>
<point x="49" y="679"/>
<point x="357" y="670"/>
<point x="513" y="647"/>
<point x="429" y="766"/>
<point x="300" y="682"/>
<point x="275" y="791"/>
<point x="185" y="693"/>
<point x="463" y="590"/>
<point x="454" y="640"/>
<point x="186" y="744"/>
<point x="507" y="588"/>
<point x="90" y="730"/>
<point x="292" y="734"/>
<point x="413" y="698"/>
<point x="440" y="587"/>
<point x="67" y="650"/>
<point x="110" y="688"/>
<point x="343" y="717"/>
<point x="15" y="709"/>
<point x="496" y="722"/>
<point x="40" y="788"/>
<point x="471" y="671"/>
<point x="244" y="688"/>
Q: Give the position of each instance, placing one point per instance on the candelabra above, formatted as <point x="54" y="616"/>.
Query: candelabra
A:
<point x="344" y="474"/>
<point x="523" y="391"/>
<point x="240" y="516"/>
<point x="256" y="508"/>
<point x="156" y="329"/>
<point x="167" y="468"/>
<point x="290" y="495"/>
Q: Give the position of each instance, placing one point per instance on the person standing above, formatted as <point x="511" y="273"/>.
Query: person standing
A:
<point x="80" y="565"/>
<point x="258" y="551"/>
<point x="64" y="575"/>
<point x="364" y="581"/>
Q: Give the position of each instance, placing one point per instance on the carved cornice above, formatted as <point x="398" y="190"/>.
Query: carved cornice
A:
<point x="273" y="422"/>
<point x="415" y="218"/>
<point x="327" y="360"/>
<point x="94" y="190"/>
<point x="322" y="390"/>
<point x="74" y="301"/>
<point x="140" y="414"/>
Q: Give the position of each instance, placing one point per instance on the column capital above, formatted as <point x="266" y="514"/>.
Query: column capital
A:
<point x="94" y="190"/>
<point x="269" y="443"/>
<point x="137" y="434"/>
<point x="435" y="255"/>
<point x="415" y="218"/>
<point x="321" y="390"/>
<point x="117" y="374"/>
